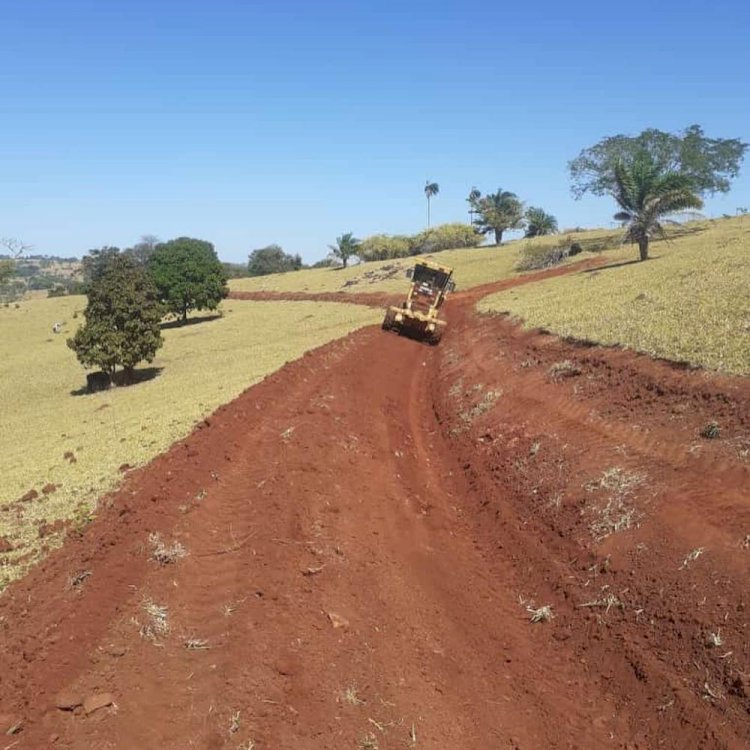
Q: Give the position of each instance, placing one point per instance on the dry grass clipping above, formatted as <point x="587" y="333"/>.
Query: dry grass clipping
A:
<point x="689" y="303"/>
<point x="617" y="513"/>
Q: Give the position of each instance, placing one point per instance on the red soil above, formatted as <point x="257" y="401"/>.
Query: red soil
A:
<point x="379" y="517"/>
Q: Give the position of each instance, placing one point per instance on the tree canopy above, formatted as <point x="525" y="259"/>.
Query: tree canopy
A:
<point x="645" y="194"/>
<point x="188" y="275"/>
<point x="496" y="212"/>
<point x="272" y="259"/>
<point x="709" y="163"/>
<point x="122" y="318"/>
<point x="347" y="246"/>
<point x="539" y="222"/>
<point x="96" y="262"/>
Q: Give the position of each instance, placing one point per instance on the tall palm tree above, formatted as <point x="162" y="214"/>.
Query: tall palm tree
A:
<point x="431" y="189"/>
<point x="346" y="247"/>
<point x="539" y="222"/>
<point x="646" y="195"/>
<point x="474" y="196"/>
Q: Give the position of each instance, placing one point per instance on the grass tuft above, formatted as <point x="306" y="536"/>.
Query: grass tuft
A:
<point x="165" y="554"/>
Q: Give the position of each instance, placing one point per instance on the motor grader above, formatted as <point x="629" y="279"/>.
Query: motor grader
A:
<point x="418" y="316"/>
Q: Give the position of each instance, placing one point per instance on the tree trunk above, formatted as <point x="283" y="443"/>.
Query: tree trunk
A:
<point x="344" y="260"/>
<point x="498" y="236"/>
<point x="643" y="247"/>
<point x="184" y="314"/>
<point x="428" y="211"/>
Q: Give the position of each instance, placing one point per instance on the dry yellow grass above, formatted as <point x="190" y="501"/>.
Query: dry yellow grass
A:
<point x="204" y="365"/>
<point x="690" y="303"/>
<point x="472" y="267"/>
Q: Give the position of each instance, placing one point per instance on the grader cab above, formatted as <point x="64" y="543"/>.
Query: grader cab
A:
<point x="418" y="316"/>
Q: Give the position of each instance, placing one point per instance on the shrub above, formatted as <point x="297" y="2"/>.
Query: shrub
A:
<point x="324" y="263"/>
<point x="445" y="237"/>
<point x="535" y="257"/>
<point x="272" y="259"/>
<point x="384" y="247"/>
<point x="57" y="291"/>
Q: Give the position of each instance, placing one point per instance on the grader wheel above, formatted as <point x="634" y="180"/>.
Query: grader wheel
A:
<point x="388" y="321"/>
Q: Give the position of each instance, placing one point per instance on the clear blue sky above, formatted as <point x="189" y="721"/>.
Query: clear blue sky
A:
<point x="247" y="123"/>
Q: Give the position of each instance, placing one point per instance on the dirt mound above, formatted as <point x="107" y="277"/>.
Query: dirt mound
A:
<point x="505" y="541"/>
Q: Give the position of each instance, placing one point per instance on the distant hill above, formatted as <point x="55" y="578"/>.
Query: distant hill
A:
<point x="43" y="272"/>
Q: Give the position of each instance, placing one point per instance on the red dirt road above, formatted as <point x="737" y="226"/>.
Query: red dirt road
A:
<point x="367" y="533"/>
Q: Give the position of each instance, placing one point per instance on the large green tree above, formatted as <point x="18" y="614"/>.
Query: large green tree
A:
<point x="496" y="212"/>
<point x="122" y="318"/>
<point x="188" y="275"/>
<point x="347" y="246"/>
<point x="646" y="194"/>
<point x="709" y="163"/>
<point x="539" y="222"/>
<point x="272" y="259"/>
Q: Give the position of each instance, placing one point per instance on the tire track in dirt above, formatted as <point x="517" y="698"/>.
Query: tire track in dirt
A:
<point x="360" y="527"/>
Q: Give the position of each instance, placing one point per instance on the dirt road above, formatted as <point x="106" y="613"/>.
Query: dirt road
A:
<point x="369" y="533"/>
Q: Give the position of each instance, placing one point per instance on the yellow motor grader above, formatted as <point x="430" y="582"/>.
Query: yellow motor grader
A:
<point x="418" y="316"/>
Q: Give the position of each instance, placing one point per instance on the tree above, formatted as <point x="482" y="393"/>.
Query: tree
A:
<point x="431" y="189"/>
<point x="122" y="319"/>
<point x="474" y="196"/>
<point x="709" y="163"/>
<point x="144" y="249"/>
<point x="497" y="212"/>
<point x="272" y="259"/>
<point x="346" y="247"/>
<point x="15" y="249"/>
<point x="646" y="194"/>
<point x="539" y="222"/>
<point x="96" y="263"/>
<point x="188" y="275"/>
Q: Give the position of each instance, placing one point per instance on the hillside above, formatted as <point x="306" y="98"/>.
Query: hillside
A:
<point x="54" y="434"/>
<point x="689" y="303"/>
<point x="472" y="266"/>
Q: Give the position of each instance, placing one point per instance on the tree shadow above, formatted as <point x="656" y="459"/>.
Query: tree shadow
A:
<point x="180" y="323"/>
<point x="142" y="375"/>
<point x="621" y="264"/>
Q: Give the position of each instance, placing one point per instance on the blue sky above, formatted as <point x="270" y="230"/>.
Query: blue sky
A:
<point x="247" y="123"/>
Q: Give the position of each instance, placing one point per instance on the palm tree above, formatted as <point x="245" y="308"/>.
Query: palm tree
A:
<point x="430" y="189"/>
<point x="474" y="196"/>
<point x="346" y="247"/>
<point x="498" y="212"/>
<point x="646" y="195"/>
<point x="539" y="222"/>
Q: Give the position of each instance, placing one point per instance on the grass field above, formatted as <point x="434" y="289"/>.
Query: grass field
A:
<point x="472" y="267"/>
<point x="202" y="366"/>
<point x="689" y="303"/>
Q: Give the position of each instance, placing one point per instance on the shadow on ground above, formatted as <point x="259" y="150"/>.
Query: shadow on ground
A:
<point x="189" y="322"/>
<point x="97" y="381"/>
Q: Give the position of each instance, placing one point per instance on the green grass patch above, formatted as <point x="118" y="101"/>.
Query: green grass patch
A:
<point x="689" y="303"/>
<point x="202" y="366"/>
